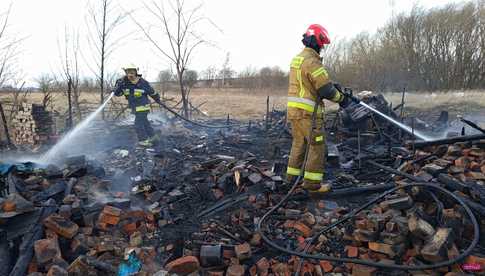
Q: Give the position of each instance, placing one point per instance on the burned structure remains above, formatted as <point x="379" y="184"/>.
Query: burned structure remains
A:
<point x="193" y="204"/>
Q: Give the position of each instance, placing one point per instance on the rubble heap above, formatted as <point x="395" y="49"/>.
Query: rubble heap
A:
<point x="191" y="204"/>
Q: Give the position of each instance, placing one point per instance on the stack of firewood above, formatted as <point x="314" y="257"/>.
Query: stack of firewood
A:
<point x="32" y="125"/>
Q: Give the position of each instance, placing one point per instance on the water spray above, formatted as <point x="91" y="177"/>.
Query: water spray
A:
<point x="402" y="126"/>
<point x="413" y="132"/>
<point x="67" y="139"/>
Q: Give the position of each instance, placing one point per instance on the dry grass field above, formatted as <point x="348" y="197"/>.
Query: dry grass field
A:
<point x="248" y="104"/>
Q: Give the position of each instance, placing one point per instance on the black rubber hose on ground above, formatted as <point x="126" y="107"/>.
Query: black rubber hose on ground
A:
<point x="197" y="123"/>
<point x="356" y="211"/>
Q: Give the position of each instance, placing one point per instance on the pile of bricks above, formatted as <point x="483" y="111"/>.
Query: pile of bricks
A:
<point x="32" y="125"/>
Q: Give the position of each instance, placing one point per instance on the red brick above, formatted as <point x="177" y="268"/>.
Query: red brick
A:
<point x="352" y="251"/>
<point x="136" y="214"/>
<point x="326" y="266"/>
<point x="56" y="270"/>
<point x="227" y="253"/>
<point x="184" y="265"/>
<point x="299" y="226"/>
<point x="461" y="162"/>
<point x="33" y="267"/>
<point x="112" y="211"/>
<point x="61" y="226"/>
<point x="105" y="218"/>
<point x="129" y="228"/>
<point x="243" y="251"/>
<point x="46" y="250"/>
<point x="9" y="206"/>
<point x="307" y="269"/>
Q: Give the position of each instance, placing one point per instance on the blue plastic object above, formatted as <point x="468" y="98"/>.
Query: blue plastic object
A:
<point x="130" y="267"/>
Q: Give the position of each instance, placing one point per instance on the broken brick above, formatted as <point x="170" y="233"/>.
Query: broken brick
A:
<point x="129" y="228"/>
<point x="326" y="266"/>
<point x="299" y="226"/>
<point x="243" y="251"/>
<point x="61" y="226"/>
<point x="382" y="248"/>
<point x="46" y="250"/>
<point x="9" y="206"/>
<point x="184" y="265"/>
<point x="352" y="251"/>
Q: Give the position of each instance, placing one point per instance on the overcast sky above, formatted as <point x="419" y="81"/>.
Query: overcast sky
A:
<point x="256" y="33"/>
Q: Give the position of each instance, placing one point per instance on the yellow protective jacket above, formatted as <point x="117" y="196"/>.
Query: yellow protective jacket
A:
<point x="307" y="75"/>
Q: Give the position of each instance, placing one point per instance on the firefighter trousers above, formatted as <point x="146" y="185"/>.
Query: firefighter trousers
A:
<point x="304" y="135"/>
<point x="142" y="126"/>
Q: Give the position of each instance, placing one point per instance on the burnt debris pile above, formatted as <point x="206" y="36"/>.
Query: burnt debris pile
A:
<point x="191" y="204"/>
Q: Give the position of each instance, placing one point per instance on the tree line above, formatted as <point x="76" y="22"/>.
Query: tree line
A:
<point x="435" y="49"/>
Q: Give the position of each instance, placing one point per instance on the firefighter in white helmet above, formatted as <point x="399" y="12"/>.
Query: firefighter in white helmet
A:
<point x="136" y="90"/>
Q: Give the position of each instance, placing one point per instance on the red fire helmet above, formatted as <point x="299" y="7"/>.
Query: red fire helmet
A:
<point x="320" y="33"/>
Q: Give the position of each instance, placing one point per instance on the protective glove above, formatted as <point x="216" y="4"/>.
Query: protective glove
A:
<point x="157" y="99"/>
<point x="346" y="101"/>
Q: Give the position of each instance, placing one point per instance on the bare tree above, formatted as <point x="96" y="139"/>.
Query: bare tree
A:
<point x="164" y="79"/>
<point x="69" y="53"/>
<point x="9" y="49"/>
<point x="209" y="75"/>
<point x="46" y="86"/>
<point x="102" y="20"/>
<point x="226" y="72"/>
<point x="178" y="25"/>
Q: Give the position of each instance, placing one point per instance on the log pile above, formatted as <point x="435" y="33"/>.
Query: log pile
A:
<point x="32" y="125"/>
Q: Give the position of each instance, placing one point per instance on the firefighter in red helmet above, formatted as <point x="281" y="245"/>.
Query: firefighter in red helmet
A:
<point x="309" y="84"/>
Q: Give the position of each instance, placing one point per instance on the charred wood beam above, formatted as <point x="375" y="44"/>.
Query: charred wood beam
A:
<point x="473" y="125"/>
<point x="222" y="205"/>
<point x="5" y="253"/>
<point x="452" y="140"/>
<point x="26" y="250"/>
<point x="5" y="126"/>
<point x="358" y="190"/>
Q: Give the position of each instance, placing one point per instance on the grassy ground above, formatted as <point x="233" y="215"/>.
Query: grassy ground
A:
<point x="244" y="104"/>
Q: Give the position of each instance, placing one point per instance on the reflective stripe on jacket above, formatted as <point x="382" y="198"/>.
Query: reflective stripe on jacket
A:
<point x="307" y="75"/>
<point x="136" y="93"/>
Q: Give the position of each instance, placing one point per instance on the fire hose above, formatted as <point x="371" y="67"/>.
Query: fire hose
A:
<point x="305" y="255"/>
<point x="175" y="113"/>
